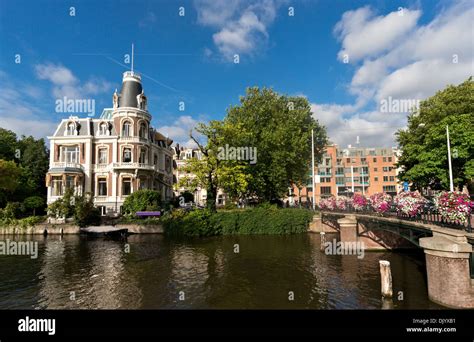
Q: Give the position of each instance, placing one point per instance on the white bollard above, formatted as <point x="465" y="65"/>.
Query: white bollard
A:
<point x="323" y="240"/>
<point x="386" y="278"/>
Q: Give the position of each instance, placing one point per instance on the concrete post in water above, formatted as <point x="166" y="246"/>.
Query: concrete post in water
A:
<point x="386" y="278"/>
<point x="323" y="240"/>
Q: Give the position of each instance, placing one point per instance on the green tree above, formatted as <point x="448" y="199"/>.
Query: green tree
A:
<point x="279" y="127"/>
<point x="8" y="144"/>
<point x="33" y="203"/>
<point x="424" y="158"/>
<point x="9" y="175"/>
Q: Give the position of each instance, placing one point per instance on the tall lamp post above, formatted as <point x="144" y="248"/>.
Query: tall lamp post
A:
<point x="312" y="168"/>
<point x="451" y="184"/>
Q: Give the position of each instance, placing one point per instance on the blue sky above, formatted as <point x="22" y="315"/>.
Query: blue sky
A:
<point x="394" y="49"/>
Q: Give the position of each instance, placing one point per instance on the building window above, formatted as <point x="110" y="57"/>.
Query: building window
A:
<point x="389" y="188"/>
<point x="102" y="156"/>
<point x="70" y="154"/>
<point x="386" y="169"/>
<point x="348" y="160"/>
<point x="355" y="169"/>
<point x="375" y="169"/>
<point x="390" y="159"/>
<point x="168" y="164"/>
<point x="102" y="186"/>
<point x="127" y="155"/>
<point x="376" y="179"/>
<point x="374" y="160"/>
<point x="126" y="186"/>
<point x="127" y="129"/>
<point x="142" y="184"/>
<point x="392" y="178"/>
<point x="142" y="158"/>
<point x="71" y="129"/>
<point x="385" y="178"/>
<point x="325" y="190"/>
<point x="103" y="129"/>
<point x="69" y="182"/>
<point x="57" y="186"/>
<point x="155" y="159"/>
<point x="143" y="130"/>
<point x="384" y="159"/>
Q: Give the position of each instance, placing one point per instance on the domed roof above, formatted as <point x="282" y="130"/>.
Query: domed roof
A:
<point x="131" y="88"/>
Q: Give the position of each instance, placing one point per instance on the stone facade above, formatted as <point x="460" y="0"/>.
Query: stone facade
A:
<point x="113" y="156"/>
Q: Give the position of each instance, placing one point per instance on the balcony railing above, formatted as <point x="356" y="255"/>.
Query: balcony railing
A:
<point x="71" y="165"/>
<point x="133" y="166"/>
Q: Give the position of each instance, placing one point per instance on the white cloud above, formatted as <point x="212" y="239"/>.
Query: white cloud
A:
<point x="412" y="62"/>
<point x="65" y="83"/>
<point x="242" y="25"/>
<point x="179" y="130"/>
<point x="364" y="35"/>
<point x="18" y="111"/>
<point x="57" y="74"/>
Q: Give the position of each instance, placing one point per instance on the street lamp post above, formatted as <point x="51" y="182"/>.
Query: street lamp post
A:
<point x="451" y="185"/>
<point x="312" y="168"/>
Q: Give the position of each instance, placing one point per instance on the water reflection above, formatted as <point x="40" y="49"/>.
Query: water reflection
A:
<point x="159" y="272"/>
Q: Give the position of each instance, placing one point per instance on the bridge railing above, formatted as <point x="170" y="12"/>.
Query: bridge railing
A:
<point x="429" y="215"/>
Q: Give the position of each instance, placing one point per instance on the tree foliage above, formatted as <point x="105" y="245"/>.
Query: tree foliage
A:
<point x="278" y="127"/>
<point x="142" y="200"/>
<point x="424" y="156"/>
<point x="31" y="157"/>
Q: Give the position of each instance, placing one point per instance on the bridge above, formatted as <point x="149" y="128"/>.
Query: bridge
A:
<point x="448" y="248"/>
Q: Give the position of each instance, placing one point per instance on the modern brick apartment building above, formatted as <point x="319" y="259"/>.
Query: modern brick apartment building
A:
<point x="352" y="169"/>
<point x="113" y="156"/>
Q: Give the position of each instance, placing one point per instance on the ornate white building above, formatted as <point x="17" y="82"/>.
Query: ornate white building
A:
<point x="113" y="156"/>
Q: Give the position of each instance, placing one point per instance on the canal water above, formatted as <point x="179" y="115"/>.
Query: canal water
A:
<point x="157" y="272"/>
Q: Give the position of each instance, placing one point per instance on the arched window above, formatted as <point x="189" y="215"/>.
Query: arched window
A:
<point x="127" y="129"/>
<point x="71" y="129"/>
<point x="143" y="130"/>
<point x="127" y="155"/>
<point x="103" y="129"/>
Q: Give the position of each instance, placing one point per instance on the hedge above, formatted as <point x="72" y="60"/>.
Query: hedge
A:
<point x="245" y="221"/>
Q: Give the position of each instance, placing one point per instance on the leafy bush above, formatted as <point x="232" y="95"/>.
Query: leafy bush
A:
<point x="269" y="220"/>
<point x="142" y="200"/>
<point x="11" y="211"/>
<point x="24" y="222"/>
<point x="62" y="207"/>
<point x="85" y="214"/>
